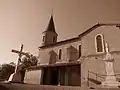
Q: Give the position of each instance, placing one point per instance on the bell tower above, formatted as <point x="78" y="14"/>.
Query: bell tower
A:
<point x="49" y="35"/>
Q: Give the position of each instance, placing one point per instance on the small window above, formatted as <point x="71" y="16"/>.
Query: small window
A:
<point x="60" y="53"/>
<point x="99" y="43"/>
<point x="54" y="38"/>
<point x="43" y="38"/>
<point x="79" y="51"/>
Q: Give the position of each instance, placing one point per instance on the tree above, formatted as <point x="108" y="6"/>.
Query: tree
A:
<point x="6" y="71"/>
<point x="12" y="64"/>
<point x="29" y="61"/>
<point x="26" y="62"/>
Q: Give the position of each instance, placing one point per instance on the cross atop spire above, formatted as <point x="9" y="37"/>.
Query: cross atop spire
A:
<point x="52" y="12"/>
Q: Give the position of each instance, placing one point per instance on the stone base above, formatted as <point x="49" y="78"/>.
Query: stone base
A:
<point x="15" y="77"/>
<point x="110" y="84"/>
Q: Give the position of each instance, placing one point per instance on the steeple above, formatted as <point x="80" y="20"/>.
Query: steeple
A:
<point x="49" y="35"/>
<point x="51" y="26"/>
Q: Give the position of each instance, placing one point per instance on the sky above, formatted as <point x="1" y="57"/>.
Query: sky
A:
<point x="23" y="21"/>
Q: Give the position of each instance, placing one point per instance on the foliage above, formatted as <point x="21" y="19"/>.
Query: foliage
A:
<point x="29" y="61"/>
<point x="12" y="63"/>
<point x="6" y="71"/>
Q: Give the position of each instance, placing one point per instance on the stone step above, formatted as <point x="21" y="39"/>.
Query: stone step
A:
<point x="14" y="86"/>
<point x="94" y="81"/>
<point x="46" y="87"/>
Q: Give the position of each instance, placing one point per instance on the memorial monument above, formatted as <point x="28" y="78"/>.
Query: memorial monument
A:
<point x="110" y="79"/>
<point x="16" y="77"/>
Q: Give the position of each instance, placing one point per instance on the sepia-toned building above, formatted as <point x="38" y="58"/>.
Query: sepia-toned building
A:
<point x="77" y="61"/>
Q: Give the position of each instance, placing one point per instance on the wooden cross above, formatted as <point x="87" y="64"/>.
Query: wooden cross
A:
<point x="20" y="53"/>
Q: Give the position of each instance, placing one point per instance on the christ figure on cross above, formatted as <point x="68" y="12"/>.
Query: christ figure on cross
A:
<point x="16" y="76"/>
<point x="20" y="53"/>
<point x="19" y="57"/>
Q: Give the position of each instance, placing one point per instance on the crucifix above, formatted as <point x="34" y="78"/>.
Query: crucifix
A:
<point x="19" y="56"/>
<point x="20" y="53"/>
<point x="16" y="76"/>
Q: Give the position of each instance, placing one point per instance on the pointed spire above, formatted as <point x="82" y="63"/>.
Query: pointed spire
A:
<point x="51" y="26"/>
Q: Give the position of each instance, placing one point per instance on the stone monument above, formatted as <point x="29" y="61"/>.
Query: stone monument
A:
<point x="16" y="77"/>
<point x="110" y="79"/>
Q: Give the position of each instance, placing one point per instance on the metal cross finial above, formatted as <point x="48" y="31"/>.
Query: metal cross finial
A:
<point x="52" y="12"/>
<point x="52" y="5"/>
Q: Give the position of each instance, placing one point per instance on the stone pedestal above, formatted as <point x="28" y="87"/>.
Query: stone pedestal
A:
<point x="15" y="77"/>
<point x="110" y="80"/>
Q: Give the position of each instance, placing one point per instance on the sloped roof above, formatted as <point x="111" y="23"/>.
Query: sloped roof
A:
<point x="60" y="42"/>
<point x="51" y="26"/>
<point x="96" y="26"/>
<point x="53" y="65"/>
<point x="82" y="34"/>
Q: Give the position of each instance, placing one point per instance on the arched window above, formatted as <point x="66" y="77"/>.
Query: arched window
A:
<point x="43" y="38"/>
<point x="60" y="53"/>
<point x="79" y="51"/>
<point x="54" y="39"/>
<point x="99" y="43"/>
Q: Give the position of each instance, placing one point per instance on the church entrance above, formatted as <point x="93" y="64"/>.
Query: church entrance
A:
<point x="50" y="76"/>
<point x="62" y="75"/>
<point x="54" y="76"/>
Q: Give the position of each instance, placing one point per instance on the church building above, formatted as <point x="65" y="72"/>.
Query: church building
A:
<point x="77" y="61"/>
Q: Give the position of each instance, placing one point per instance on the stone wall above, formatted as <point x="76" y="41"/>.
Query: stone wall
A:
<point x="95" y="65"/>
<point x="45" y="52"/>
<point x="92" y="60"/>
<point x="32" y="77"/>
<point x="111" y="35"/>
